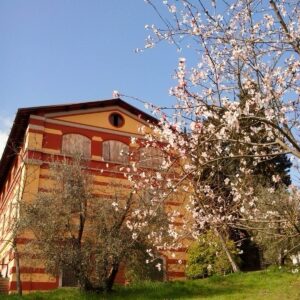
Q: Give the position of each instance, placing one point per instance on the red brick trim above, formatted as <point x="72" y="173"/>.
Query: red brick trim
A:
<point x="29" y="286"/>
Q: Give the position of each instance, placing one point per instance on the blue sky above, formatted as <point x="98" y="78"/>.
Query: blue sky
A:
<point x="60" y="51"/>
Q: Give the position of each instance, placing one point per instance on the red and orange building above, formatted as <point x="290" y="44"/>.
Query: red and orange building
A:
<point x="101" y="129"/>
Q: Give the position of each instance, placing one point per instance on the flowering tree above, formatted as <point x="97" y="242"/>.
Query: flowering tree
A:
<point x="238" y="102"/>
<point x="242" y="47"/>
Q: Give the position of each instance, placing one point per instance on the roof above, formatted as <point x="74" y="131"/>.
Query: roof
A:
<point x="17" y="133"/>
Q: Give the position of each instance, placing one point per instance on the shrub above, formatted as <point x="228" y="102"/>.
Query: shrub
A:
<point x="206" y="256"/>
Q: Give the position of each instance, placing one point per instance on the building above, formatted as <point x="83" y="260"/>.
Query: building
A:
<point x="41" y="132"/>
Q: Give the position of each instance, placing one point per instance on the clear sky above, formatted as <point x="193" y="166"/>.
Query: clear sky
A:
<point x="60" y="51"/>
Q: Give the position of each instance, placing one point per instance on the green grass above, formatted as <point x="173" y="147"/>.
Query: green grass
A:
<point x="269" y="284"/>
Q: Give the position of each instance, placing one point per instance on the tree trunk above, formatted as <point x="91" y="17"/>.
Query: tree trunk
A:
<point x="234" y="266"/>
<point x="18" y="272"/>
<point x="281" y="259"/>
<point x="109" y="282"/>
<point x="85" y="285"/>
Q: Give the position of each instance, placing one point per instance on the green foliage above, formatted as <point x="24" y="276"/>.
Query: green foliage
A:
<point x="277" y="224"/>
<point x="140" y="268"/>
<point x="139" y="271"/>
<point x="206" y="257"/>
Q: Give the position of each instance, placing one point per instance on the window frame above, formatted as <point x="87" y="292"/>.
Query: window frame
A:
<point x="118" y="115"/>
<point x="151" y="161"/>
<point x="86" y="153"/>
<point x="109" y="159"/>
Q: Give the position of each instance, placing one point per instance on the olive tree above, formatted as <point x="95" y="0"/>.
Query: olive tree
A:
<point x="90" y="230"/>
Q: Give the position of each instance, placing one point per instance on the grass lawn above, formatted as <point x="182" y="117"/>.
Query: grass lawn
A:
<point x="261" y="285"/>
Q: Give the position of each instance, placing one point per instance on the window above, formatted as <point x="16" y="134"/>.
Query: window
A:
<point x="115" y="151"/>
<point x="76" y="144"/>
<point x="150" y="157"/>
<point x="10" y="212"/>
<point x="116" y="120"/>
<point x="3" y="224"/>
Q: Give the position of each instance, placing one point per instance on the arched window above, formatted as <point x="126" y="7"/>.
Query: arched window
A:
<point x="151" y="157"/>
<point x="115" y="151"/>
<point x="76" y="144"/>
